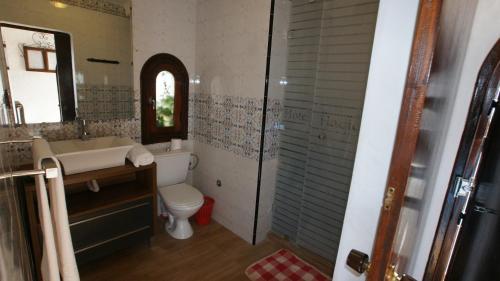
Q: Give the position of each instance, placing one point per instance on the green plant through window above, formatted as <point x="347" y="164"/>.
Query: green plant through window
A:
<point x="165" y="92"/>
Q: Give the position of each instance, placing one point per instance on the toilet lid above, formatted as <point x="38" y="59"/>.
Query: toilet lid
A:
<point x="181" y="195"/>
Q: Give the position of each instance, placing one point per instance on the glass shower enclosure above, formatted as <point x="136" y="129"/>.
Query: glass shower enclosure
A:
<point x="320" y="56"/>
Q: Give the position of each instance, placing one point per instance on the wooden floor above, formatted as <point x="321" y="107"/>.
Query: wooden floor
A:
<point x="213" y="253"/>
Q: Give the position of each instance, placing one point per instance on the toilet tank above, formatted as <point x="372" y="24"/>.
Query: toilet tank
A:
<point x="171" y="166"/>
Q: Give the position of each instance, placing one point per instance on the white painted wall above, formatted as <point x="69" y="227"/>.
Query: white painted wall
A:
<point x="37" y="91"/>
<point x="386" y="81"/>
<point x="231" y="50"/>
<point x="225" y="43"/>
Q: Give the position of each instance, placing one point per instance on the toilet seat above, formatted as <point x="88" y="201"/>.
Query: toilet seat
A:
<point x="181" y="196"/>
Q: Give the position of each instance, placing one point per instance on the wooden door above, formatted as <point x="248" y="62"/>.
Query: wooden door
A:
<point x="390" y="254"/>
<point x="441" y="39"/>
<point x="384" y="255"/>
<point x="465" y="181"/>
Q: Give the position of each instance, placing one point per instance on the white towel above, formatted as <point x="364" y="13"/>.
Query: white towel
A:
<point x="58" y="258"/>
<point x="140" y="156"/>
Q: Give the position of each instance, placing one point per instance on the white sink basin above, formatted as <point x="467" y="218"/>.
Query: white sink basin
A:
<point x="78" y="156"/>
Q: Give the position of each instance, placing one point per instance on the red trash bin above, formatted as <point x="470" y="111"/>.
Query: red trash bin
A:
<point x="205" y="212"/>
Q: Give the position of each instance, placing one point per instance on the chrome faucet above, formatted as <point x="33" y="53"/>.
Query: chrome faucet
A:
<point x="84" y="134"/>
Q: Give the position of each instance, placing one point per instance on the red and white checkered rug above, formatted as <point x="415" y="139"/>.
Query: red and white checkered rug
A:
<point x="284" y="265"/>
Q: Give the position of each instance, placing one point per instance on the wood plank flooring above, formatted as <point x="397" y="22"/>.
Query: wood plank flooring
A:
<point x="213" y="253"/>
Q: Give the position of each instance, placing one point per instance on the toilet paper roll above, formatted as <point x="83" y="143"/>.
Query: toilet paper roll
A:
<point x="175" y="144"/>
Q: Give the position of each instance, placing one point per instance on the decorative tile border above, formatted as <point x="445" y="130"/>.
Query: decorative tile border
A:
<point x="226" y="122"/>
<point x="99" y="6"/>
<point x="104" y="102"/>
<point x="70" y="130"/>
<point x="272" y="132"/>
<point x="234" y="124"/>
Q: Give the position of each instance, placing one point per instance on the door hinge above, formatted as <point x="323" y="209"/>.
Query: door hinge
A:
<point x="484" y="210"/>
<point x="389" y="198"/>
<point x="392" y="275"/>
<point x="462" y="187"/>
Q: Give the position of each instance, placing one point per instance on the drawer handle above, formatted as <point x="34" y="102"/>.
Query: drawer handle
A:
<point x="109" y="214"/>
<point x="111" y="239"/>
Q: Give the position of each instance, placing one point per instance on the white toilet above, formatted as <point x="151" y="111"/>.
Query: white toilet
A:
<point x="181" y="199"/>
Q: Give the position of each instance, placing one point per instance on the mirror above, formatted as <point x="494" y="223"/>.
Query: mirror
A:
<point x="67" y="59"/>
<point x="40" y="72"/>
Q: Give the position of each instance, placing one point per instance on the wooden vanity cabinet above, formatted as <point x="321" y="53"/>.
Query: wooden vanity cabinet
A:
<point x="121" y="214"/>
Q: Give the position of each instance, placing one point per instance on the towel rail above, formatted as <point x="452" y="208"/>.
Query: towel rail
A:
<point x="49" y="167"/>
<point x="49" y="173"/>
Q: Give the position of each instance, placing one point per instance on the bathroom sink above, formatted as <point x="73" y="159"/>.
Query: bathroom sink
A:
<point x="78" y="156"/>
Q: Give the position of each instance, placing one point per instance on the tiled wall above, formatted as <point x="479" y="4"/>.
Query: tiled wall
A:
<point x="223" y="122"/>
<point x="100" y="102"/>
<point x="160" y="26"/>
<point x="234" y="124"/>
<point x="228" y="42"/>
<point x="99" y="6"/>
<point x="70" y="130"/>
<point x="225" y="43"/>
<point x="231" y="49"/>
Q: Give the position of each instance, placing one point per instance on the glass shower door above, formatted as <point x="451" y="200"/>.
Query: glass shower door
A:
<point x="328" y="55"/>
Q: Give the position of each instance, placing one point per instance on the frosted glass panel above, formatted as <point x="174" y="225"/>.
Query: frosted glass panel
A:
<point x="328" y="54"/>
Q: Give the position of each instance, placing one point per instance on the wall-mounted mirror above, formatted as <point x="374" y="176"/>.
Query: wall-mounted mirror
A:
<point x="40" y="73"/>
<point x="67" y="59"/>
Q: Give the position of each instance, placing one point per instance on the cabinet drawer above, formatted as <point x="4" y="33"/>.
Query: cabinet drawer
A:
<point x="105" y="248"/>
<point x="108" y="225"/>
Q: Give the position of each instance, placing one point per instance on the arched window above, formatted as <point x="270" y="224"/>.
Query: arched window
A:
<point x="164" y="99"/>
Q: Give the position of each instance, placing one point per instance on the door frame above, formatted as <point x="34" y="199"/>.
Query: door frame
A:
<point x="465" y="164"/>
<point x="417" y="82"/>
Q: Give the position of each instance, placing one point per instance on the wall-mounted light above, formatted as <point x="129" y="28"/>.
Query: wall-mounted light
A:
<point x="80" y="78"/>
<point x="283" y="81"/>
<point x="195" y="80"/>
<point x="58" y="4"/>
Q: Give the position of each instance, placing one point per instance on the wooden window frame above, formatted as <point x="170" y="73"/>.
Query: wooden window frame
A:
<point x="150" y="70"/>
<point x="45" y="59"/>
